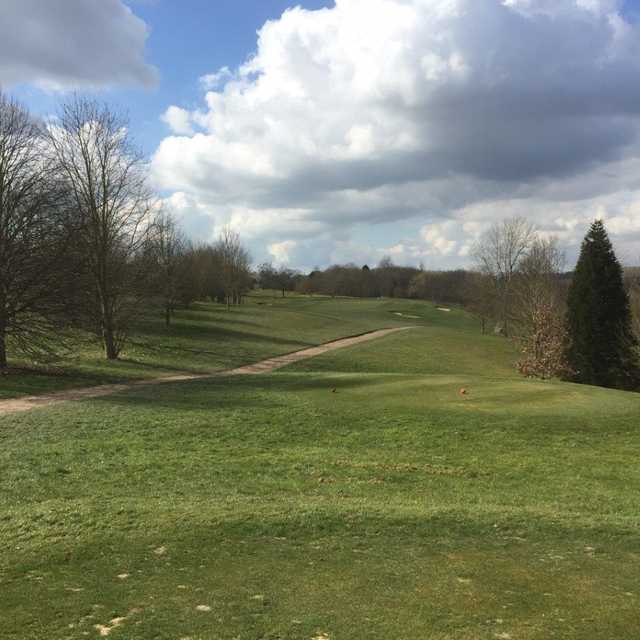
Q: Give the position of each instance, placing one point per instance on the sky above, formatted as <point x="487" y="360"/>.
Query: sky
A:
<point x="335" y="131"/>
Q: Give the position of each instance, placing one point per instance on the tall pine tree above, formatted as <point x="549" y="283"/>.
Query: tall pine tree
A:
<point x="602" y="346"/>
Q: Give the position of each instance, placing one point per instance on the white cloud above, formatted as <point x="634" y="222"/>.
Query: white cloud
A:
<point x="214" y="80"/>
<point x="438" y="237"/>
<point x="179" y="120"/>
<point x="281" y="251"/>
<point x="72" y="44"/>
<point x="455" y="112"/>
<point x="197" y="220"/>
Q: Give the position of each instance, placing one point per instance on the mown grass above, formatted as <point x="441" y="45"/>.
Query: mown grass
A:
<point x="207" y="338"/>
<point x="357" y="495"/>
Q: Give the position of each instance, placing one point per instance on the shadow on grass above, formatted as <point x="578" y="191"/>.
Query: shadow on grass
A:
<point x="222" y="392"/>
<point x="159" y="366"/>
<point x="309" y="519"/>
<point x="217" y="334"/>
<point x="212" y="317"/>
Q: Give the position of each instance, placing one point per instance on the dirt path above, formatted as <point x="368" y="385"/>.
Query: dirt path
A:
<point x="18" y="405"/>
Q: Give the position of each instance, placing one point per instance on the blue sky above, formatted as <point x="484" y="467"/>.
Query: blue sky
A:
<point x="187" y="39"/>
<point x="372" y="128"/>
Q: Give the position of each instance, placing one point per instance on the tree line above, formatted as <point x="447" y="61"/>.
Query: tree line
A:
<point x="84" y="241"/>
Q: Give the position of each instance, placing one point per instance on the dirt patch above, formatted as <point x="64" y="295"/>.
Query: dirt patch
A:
<point x="273" y="364"/>
<point x="105" y="629"/>
<point x="19" y="405"/>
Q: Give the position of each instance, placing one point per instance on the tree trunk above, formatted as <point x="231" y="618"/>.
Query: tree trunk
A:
<point x="110" y="348"/>
<point x="3" y="347"/>
<point x="3" y="332"/>
<point x="167" y="315"/>
<point x="506" y="308"/>
<point x="108" y="334"/>
<point x="283" y="295"/>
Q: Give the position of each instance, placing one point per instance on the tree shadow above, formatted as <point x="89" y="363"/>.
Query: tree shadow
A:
<point x="217" y="333"/>
<point x="222" y="391"/>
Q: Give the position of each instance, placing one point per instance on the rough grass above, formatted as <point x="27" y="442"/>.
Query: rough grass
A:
<point x="358" y="495"/>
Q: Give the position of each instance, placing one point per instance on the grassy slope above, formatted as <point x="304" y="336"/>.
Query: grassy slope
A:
<point x="391" y="508"/>
<point x="209" y="338"/>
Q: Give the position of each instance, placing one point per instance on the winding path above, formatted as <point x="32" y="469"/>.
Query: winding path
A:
<point x="18" y="405"/>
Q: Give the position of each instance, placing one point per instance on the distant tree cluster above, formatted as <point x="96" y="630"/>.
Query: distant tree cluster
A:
<point x="279" y="278"/>
<point x="84" y="241"/>
<point x="389" y="281"/>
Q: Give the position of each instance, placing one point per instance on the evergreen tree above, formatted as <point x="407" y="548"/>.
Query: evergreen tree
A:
<point x="602" y="346"/>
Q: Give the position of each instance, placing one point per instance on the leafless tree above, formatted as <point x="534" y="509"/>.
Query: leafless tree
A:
<point x="169" y="246"/>
<point x="498" y="254"/>
<point x="537" y="283"/>
<point x="31" y="236"/>
<point x="539" y="310"/>
<point x="107" y="177"/>
<point x="235" y="266"/>
<point x="479" y="296"/>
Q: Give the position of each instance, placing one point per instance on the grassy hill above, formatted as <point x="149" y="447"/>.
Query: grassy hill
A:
<point x="357" y="495"/>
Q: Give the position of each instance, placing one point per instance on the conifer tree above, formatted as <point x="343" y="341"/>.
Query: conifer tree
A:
<point x="602" y="346"/>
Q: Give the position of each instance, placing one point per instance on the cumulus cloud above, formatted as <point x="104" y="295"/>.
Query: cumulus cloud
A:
<point x="72" y="44"/>
<point x="179" y="120"/>
<point x="435" y="110"/>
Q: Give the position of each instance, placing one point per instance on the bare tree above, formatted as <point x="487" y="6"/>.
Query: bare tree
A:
<point x="108" y="180"/>
<point x="478" y="297"/>
<point x="498" y="254"/>
<point x="282" y="279"/>
<point x="169" y="248"/>
<point x="539" y="310"/>
<point x="268" y="276"/>
<point x="31" y="237"/>
<point x="537" y="283"/>
<point x="235" y="265"/>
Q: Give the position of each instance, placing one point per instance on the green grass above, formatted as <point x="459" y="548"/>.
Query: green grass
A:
<point x="357" y="495"/>
<point x="208" y="338"/>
